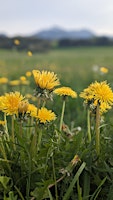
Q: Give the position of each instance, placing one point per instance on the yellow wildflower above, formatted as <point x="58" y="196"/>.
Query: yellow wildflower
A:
<point x="16" y="42"/>
<point x="98" y="93"/>
<point x="45" y="80"/>
<point x="29" y="53"/>
<point x="45" y="115"/>
<point x="3" y="80"/>
<point x="14" y="82"/>
<point x="10" y="102"/>
<point x="28" y="73"/>
<point x="65" y="91"/>
<point x="22" y="78"/>
<point x="104" y="70"/>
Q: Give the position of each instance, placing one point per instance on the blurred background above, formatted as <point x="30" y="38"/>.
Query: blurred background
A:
<point x="72" y="38"/>
<point x="40" y="25"/>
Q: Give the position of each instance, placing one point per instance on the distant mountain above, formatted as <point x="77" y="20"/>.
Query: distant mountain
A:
<point x="2" y="35"/>
<point x="56" y="33"/>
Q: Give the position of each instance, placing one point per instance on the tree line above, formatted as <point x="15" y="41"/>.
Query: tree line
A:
<point x="25" y="43"/>
<point x="41" y="45"/>
<point x="96" y="41"/>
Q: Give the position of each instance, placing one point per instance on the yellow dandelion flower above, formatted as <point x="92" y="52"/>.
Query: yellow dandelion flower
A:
<point x="45" y="79"/>
<point x="99" y="93"/>
<point x="2" y="122"/>
<point x="102" y="92"/>
<point x="65" y="91"/>
<point x="104" y="107"/>
<point x="3" y="80"/>
<point x="29" y="53"/>
<point x="28" y="74"/>
<point x="32" y="110"/>
<point x="22" y="78"/>
<point x="10" y="102"/>
<point x="16" y="42"/>
<point x="14" y="82"/>
<point x="45" y="115"/>
<point x="104" y="70"/>
<point x="87" y="94"/>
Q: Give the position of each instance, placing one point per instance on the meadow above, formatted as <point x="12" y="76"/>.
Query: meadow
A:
<point x="40" y="161"/>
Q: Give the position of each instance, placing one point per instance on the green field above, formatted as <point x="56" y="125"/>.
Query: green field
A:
<point x="71" y="64"/>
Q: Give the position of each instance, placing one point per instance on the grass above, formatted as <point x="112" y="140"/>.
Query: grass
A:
<point x="60" y="60"/>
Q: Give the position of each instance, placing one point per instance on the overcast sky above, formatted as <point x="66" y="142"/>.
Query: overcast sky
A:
<point x="29" y="16"/>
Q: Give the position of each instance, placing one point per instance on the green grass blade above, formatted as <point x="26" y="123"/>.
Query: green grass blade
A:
<point x="67" y="195"/>
<point x="50" y="195"/>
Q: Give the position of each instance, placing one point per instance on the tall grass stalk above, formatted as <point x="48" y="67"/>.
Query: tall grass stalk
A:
<point x="72" y="184"/>
<point x="79" y="190"/>
<point x="6" y="128"/>
<point x="97" y="129"/>
<point x="12" y="129"/>
<point x="62" y="113"/>
<point x="88" y="125"/>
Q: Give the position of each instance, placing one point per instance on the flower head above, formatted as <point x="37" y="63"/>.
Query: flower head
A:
<point x="104" y="70"/>
<point x="16" y="42"/>
<point x="22" y="78"/>
<point x="14" y="82"/>
<point x="45" y="80"/>
<point x="3" y="80"/>
<point x="29" y="53"/>
<point x="45" y="115"/>
<point x="65" y="91"/>
<point x="10" y="102"/>
<point x="98" y="93"/>
<point x="28" y="73"/>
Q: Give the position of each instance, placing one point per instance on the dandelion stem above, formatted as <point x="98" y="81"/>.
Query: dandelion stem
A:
<point x="62" y="114"/>
<point x="39" y="138"/>
<point x="13" y="137"/>
<point x="88" y="125"/>
<point x="6" y="129"/>
<point x="20" y="129"/>
<point x="97" y="129"/>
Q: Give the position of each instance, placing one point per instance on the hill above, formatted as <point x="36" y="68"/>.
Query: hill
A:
<point x="57" y="33"/>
